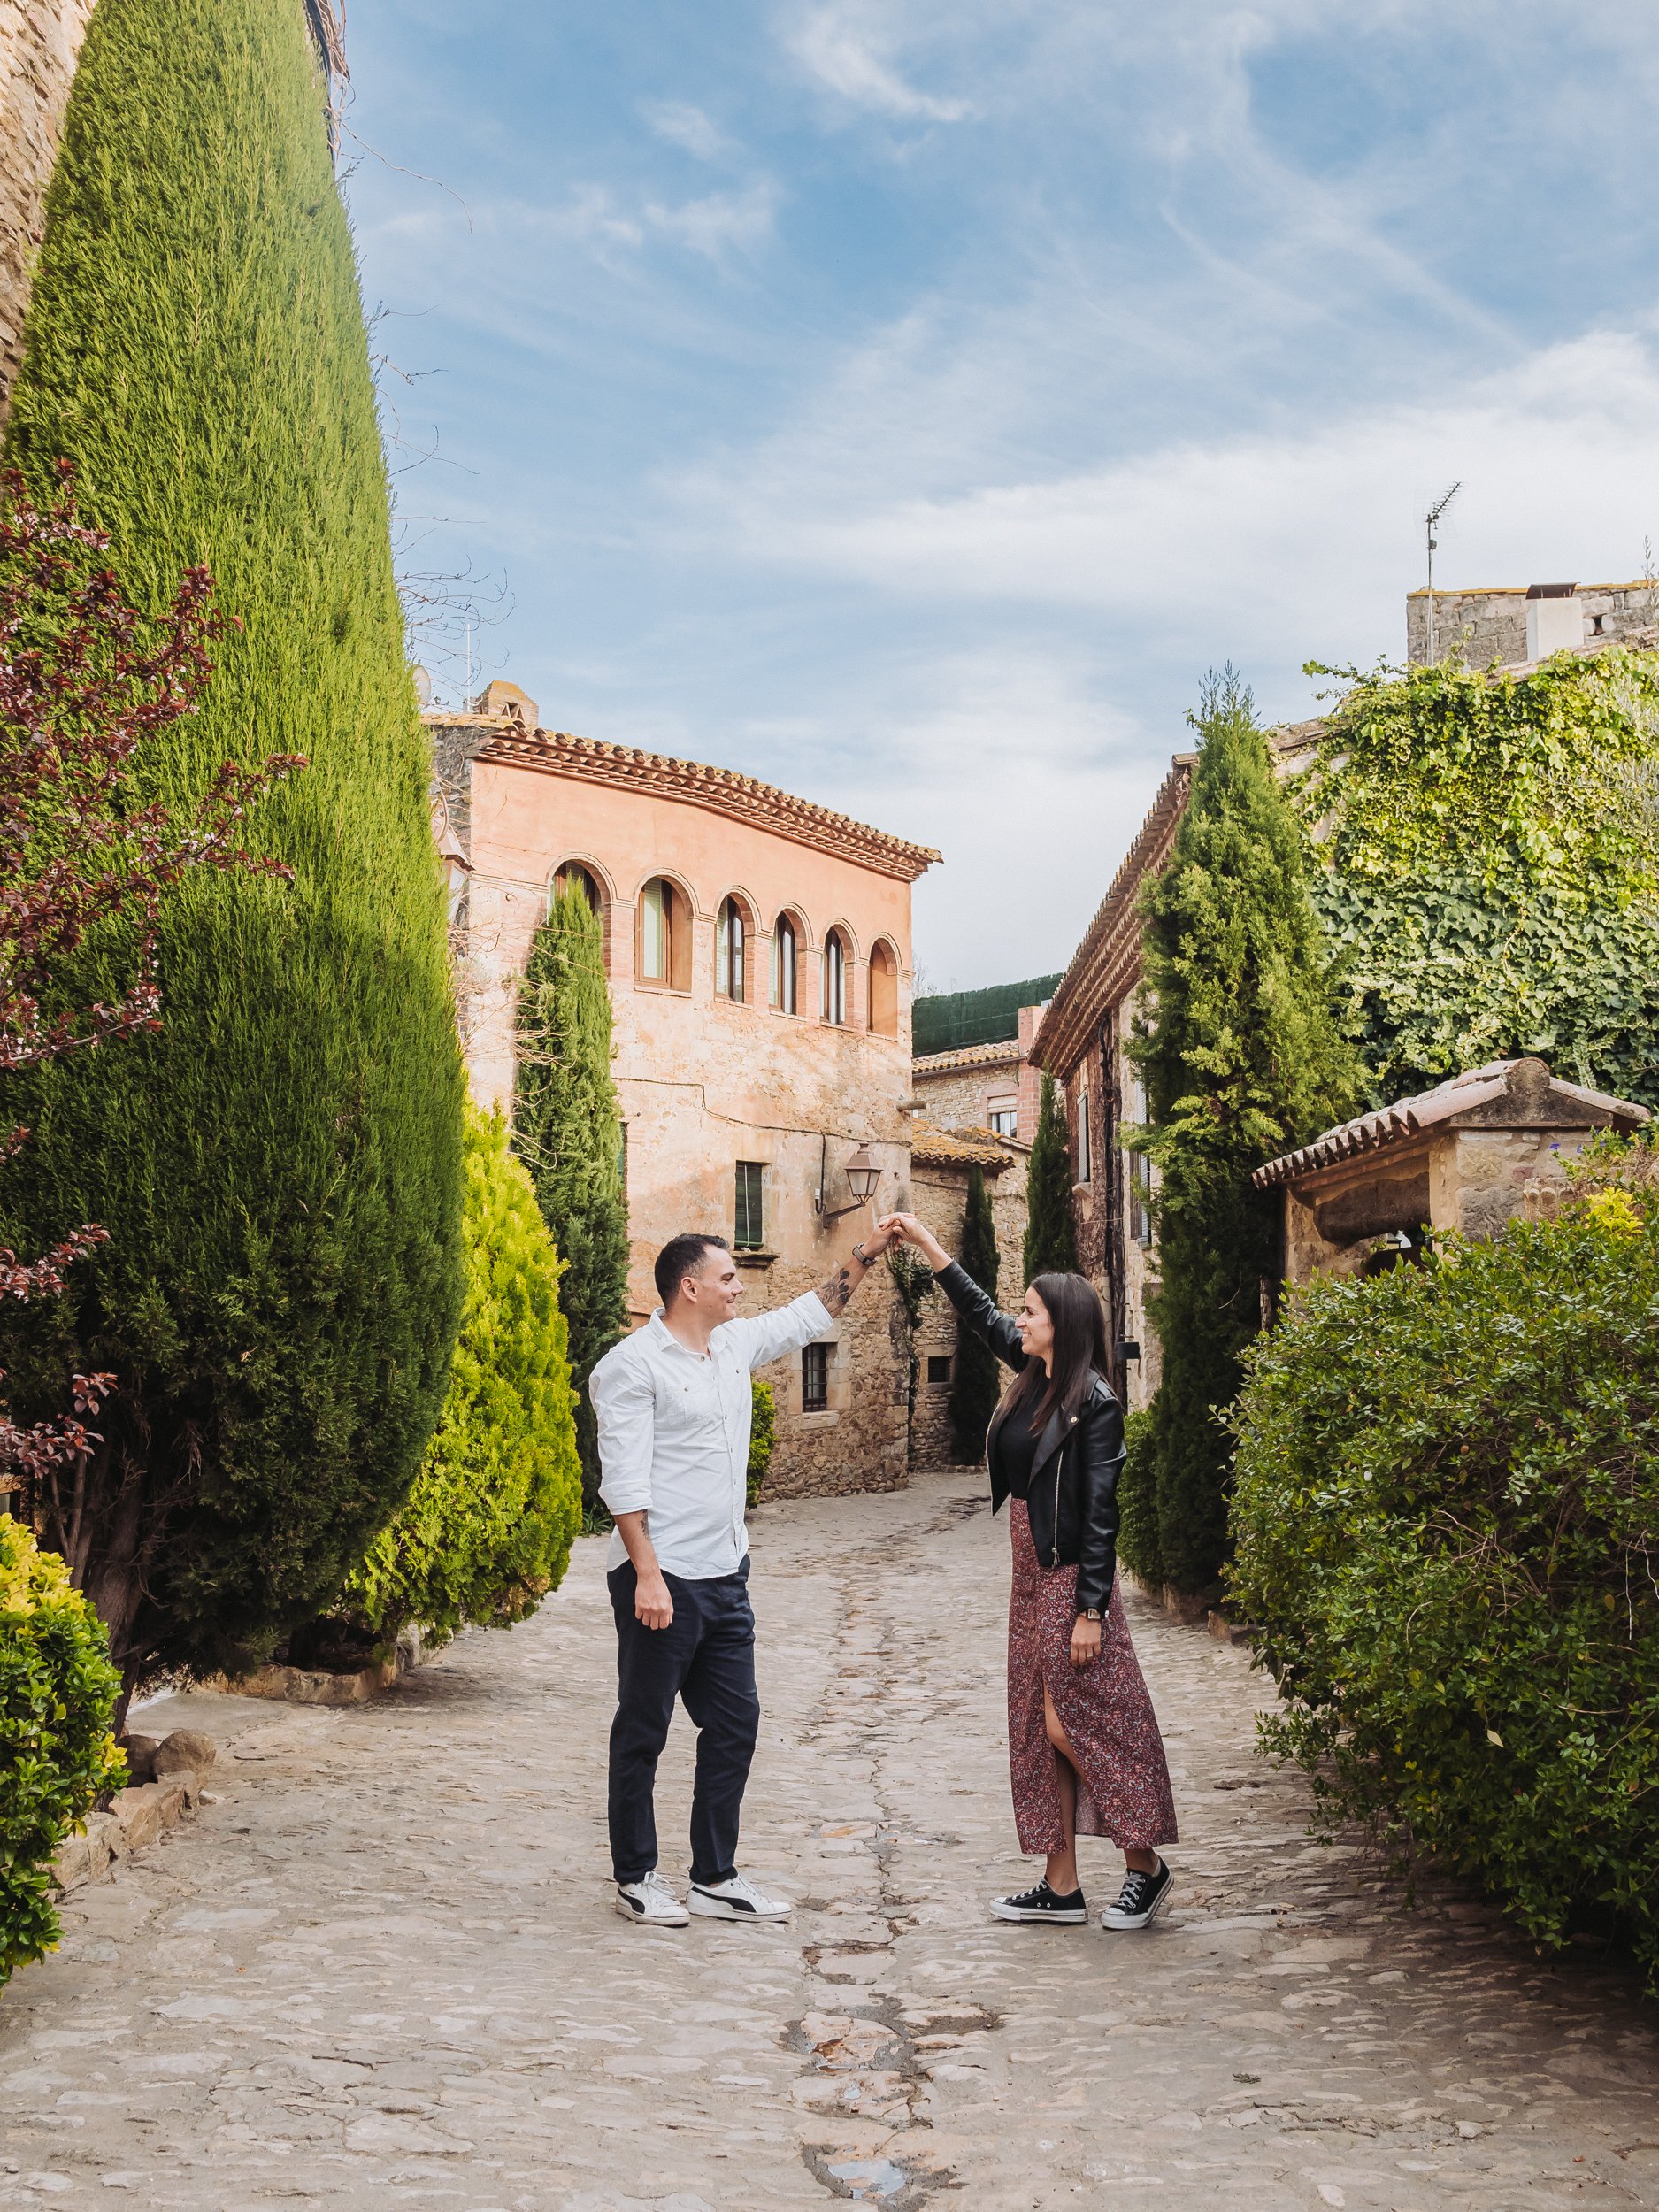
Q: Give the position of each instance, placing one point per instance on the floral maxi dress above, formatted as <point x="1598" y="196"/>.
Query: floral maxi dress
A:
<point x="1122" y="1780"/>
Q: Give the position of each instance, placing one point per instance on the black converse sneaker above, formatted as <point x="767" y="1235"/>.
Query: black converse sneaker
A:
<point x="1143" y="1898"/>
<point x="1044" y="1904"/>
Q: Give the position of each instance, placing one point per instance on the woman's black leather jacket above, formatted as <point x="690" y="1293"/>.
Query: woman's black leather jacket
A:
<point x="1073" y="1499"/>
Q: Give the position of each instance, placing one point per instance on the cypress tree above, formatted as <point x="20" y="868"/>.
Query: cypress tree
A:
<point x="568" y="1132"/>
<point x="1050" y="1234"/>
<point x="279" y="1167"/>
<point x="1242" y="1060"/>
<point x="975" y="1385"/>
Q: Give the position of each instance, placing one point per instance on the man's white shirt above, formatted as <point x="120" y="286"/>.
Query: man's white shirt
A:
<point x="674" y="1428"/>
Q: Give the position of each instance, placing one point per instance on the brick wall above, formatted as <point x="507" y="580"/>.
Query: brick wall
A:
<point x="40" y="41"/>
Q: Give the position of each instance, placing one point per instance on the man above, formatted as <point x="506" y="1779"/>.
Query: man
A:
<point x="673" y="1404"/>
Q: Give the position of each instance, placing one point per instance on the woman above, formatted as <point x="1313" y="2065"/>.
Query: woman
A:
<point x="1083" y="1742"/>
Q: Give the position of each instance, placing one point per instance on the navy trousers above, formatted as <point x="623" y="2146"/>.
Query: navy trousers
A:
<point x="706" y="1656"/>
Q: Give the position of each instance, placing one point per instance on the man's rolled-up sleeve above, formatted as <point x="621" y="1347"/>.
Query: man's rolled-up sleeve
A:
<point x="624" y="1408"/>
<point x="772" y="1334"/>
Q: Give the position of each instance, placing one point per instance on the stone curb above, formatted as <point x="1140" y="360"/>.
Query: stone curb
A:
<point x="304" y="1685"/>
<point x="136" y="1818"/>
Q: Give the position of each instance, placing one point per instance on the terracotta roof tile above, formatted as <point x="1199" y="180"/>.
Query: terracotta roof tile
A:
<point x="1463" y="1094"/>
<point x="1005" y="1054"/>
<point x="959" y="1147"/>
<point x="722" y="790"/>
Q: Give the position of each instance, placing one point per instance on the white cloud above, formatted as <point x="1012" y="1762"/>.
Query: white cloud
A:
<point x="720" y="221"/>
<point x="689" y="128"/>
<point x="1268" y="546"/>
<point x="846" y="46"/>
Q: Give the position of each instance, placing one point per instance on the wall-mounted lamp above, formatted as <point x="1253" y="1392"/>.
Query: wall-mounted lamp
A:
<point x="863" y="1176"/>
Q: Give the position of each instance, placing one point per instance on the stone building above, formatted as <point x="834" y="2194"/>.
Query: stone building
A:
<point x="991" y="1087"/>
<point x="758" y="952"/>
<point x="1469" y="1155"/>
<point x="940" y="1163"/>
<point x="1516" y="624"/>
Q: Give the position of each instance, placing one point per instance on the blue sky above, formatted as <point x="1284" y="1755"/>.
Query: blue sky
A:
<point x="908" y="403"/>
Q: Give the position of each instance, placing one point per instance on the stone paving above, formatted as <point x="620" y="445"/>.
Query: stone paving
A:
<point x="382" y="1968"/>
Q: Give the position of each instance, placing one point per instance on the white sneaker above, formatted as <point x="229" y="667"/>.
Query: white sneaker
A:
<point x="651" y="1903"/>
<point x="736" y="1899"/>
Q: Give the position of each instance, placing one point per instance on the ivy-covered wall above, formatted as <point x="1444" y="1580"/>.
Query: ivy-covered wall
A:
<point x="1491" y="885"/>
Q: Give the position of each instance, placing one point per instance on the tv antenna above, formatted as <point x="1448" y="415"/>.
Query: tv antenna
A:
<point x="1431" y="524"/>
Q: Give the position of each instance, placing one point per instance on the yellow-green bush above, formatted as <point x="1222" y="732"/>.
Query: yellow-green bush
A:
<point x="57" y="1690"/>
<point x="486" y="1532"/>
<point x="762" y="1435"/>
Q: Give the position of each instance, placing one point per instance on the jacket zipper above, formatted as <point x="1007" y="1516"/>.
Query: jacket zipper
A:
<point x="1058" y="1461"/>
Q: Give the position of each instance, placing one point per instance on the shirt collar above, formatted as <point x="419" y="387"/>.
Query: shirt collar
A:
<point x="662" y="1334"/>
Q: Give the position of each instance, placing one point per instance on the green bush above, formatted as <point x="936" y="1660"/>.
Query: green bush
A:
<point x="1447" y="1520"/>
<point x="279" y="1166"/>
<point x="1138" y="1545"/>
<point x="57" y="1690"/>
<point x="761" y="1436"/>
<point x="487" y="1530"/>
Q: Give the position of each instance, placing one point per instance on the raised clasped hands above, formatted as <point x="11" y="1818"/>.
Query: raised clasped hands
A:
<point x="906" y="1229"/>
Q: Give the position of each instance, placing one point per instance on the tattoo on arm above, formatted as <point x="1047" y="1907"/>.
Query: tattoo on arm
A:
<point x="835" y="1293"/>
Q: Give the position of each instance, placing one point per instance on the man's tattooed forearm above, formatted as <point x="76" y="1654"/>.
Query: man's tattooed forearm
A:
<point x="835" y="1293"/>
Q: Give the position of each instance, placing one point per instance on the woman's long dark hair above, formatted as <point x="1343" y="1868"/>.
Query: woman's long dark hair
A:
<point x="1079" y="1349"/>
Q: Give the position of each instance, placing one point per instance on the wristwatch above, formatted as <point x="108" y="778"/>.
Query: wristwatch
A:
<point x="860" y="1255"/>
<point x="1093" y="1613"/>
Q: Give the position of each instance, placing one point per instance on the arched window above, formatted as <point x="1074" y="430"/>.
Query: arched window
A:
<point x="835" y="979"/>
<point x="664" y="936"/>
<point x="573" y="877"/>
<point x="731" y="953"/>
<point x="785" y="965"/>
<point x="884" y="990"/>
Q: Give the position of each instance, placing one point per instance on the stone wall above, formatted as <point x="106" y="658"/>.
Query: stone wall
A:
<point x="1481" y="626"/>
<point x="960" y="1098"/>
<point x="40" y="42"/>
<point x="938" y="1196"/>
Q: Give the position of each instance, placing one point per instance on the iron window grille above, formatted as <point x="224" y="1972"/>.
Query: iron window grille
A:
<point x="814" y="1377"/>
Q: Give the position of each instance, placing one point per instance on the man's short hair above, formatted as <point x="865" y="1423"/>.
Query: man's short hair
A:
<point x="681" y="1256"/>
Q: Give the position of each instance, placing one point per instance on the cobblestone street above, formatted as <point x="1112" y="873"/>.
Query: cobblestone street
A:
<point x="382" y="1967"/>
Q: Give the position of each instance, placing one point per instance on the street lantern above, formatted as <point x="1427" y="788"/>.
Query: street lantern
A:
<point x="863" y="1176"/>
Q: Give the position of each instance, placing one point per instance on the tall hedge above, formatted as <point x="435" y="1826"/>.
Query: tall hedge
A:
<point x="567" y="1129"/>
<point x="1050" y="1233"/>
<point x="487" y="1530"/>
<point x="1242" y="1059"/>
<point x="975" y="1385"/>
<point x="1447" y="1517"/>
<point x="57" y="1690"/>
<point x="280" y="1167"/>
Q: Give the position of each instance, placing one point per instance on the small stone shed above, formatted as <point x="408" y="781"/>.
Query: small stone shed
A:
<point x="1469" y="1155"/>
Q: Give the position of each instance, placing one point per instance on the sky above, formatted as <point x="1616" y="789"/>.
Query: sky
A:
<point x="908" y="402"/>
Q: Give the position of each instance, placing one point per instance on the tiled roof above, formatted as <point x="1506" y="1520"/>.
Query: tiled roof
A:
<point x="959" y="1147"/>
<point x="1005" y="1054"/>
<point x="1107" y="963"/>
<point x="1464" y="1094"/>
<point x="722" y="790"/>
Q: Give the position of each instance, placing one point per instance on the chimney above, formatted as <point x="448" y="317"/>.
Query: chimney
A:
<point x="1555" y="620"/>
<point x="502" y="697"/>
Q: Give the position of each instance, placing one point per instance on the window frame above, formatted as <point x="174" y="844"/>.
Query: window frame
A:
<point x="676" y="910"/>
<point x="1085" y="1147"/>
<point x="732" y="921"/>
<point x="785" y="924"/>
<point x="749" y="1206"/>
<point x="815" y="1366"/>
<point x="833" y="994"/>
<point x="884" y="1004"/>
